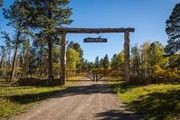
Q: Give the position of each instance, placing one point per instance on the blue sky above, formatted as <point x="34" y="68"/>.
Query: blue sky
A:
<point x="146" y="16"/>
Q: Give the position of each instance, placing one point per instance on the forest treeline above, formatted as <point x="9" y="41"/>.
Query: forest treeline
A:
<point x="33" y="48"/>
<point x="149" y="63"/>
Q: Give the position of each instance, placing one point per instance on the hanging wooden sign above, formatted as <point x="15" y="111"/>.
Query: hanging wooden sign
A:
<point x="98" y="40"/>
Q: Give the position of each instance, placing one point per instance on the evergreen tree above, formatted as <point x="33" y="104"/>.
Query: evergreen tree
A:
<point x="3" y="61"/>
<point x="8" y="45"/>
<point x="106" y="62"/>
<point x="101" y="63"/>
<point x="114" y="62"/>
<point x="173" y="30"/>
<point x="90" y="66"/>
<point x="45" y="16"/>
<point x="173" y="62"/>
<point x="97" y="62"/>
<point x="25" y="57"/>
<point x="16" y="21"/>
<point x="85" y="65"/>
<point x="39" y="53"/>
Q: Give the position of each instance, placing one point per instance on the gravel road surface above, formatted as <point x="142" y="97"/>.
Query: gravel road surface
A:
<point x="87" y="100"/>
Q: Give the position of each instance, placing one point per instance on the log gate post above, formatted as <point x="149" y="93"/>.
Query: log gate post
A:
<point x="126" y="56"/>
<point x="63" y="58"/>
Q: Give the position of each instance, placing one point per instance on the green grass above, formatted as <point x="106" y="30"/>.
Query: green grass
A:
<point x="14" y="100"/>
<point x="152" y="102"/>
<point x="76" y="78"/>
<point x="112" y="78"/>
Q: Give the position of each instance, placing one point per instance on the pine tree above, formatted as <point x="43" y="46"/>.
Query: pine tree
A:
<point x="101" y="63"/>
<point x="85" y="65"/>
<point x="25" y="56"/>
<point x="114" y="62"/>
<point x="97" y="62"/>
<point x="3" y="62"/>
<point x="173" y="30"/>
<point x="106" y="62"/>
<point x="8" y="45"/>
<point x="45" y="16"/>
<point x="16" y="21"/>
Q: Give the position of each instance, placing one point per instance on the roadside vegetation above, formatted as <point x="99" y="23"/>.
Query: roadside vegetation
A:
<point x="154" y="89"/>
<point x="15" y="100"/>
<point x="155" y="101"/>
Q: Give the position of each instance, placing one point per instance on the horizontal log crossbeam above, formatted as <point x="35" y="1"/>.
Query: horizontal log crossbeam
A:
<point x="95" y="30"/>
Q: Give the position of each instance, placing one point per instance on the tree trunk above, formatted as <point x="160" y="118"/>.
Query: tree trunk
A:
<point x="3" y="65"/>
<point x="41" y="62"/>
<point x="50" y="73"/>
<point x="15" y="55"/>
<point x="14" y="62"/>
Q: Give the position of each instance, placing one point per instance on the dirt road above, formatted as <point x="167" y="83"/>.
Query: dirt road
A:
<point x="86" y="101"/>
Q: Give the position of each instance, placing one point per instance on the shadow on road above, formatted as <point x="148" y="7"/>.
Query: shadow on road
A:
<point x="87" y="89"/>
<point x="70" y="91"/>
<point x="116" y="115"/>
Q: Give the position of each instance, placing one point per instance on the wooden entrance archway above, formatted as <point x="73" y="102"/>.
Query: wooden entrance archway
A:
<point x="64" y="32"/>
